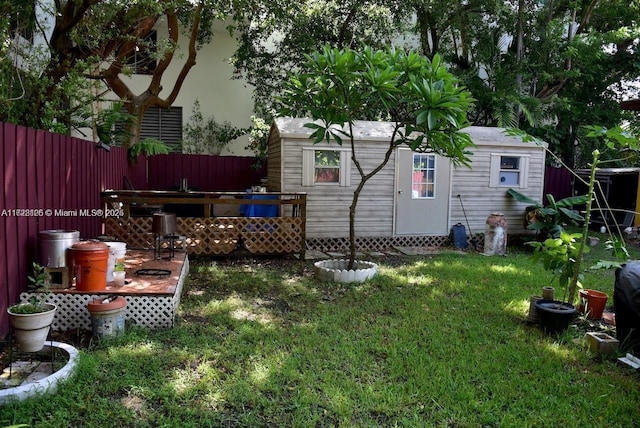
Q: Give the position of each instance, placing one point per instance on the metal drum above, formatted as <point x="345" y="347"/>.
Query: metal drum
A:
<point x="53" y="246"/>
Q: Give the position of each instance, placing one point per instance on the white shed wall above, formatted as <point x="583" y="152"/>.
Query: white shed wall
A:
<point x="328" y="206"/>
<point x="479" y="198"/>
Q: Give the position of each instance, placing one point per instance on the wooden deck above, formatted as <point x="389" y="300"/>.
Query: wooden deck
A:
<point x="152" y="301"/>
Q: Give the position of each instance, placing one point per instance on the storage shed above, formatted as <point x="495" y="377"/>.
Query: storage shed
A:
<point x="416" y="198"/>
<point x="620" y="193"/>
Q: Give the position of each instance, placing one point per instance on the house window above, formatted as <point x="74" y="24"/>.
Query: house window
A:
<point x="509" y="170"/>
<point x="141" y="60"/>
<point x="164" y="125"/>
<point x="423" y="179"/>
<point x="326" y="167"/>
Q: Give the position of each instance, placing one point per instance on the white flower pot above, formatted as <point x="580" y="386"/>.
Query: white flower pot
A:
<point x="31" y="330"/>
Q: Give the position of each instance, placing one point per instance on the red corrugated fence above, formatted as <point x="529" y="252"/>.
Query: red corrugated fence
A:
<point x="206" y="173"/>
<point x="47" y="180"/>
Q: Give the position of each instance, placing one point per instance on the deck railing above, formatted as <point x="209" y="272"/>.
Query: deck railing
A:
<point x="210" y="223"/>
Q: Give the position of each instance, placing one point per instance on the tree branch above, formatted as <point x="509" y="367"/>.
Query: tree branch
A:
<point x="186" y="67"/>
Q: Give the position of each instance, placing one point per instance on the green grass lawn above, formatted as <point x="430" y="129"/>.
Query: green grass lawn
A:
<point x="433" y="341"/>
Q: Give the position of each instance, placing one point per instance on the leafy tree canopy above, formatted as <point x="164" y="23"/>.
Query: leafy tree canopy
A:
<point x="548" y="67"/>
<point x="85" y="51"/>
<point x="337" y="87"/>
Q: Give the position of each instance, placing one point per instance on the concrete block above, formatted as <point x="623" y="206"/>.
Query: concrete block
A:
<point x="602" y="343"/>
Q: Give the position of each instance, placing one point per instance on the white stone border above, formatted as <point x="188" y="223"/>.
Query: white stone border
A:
<point x="336" y="270"/>
<point x="47" y="384"/>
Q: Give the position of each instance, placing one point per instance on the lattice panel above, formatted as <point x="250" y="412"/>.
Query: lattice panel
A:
<point x="145" y="311"/>
<point x="209" y="236"/>
<point x="136" y="231"/>
<point x="272" y="235"/>
<point x="218" y="235"/>
<point x="376" y="243"/>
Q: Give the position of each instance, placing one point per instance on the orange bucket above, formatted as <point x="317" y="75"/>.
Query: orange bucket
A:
<point x="89" y="263"/>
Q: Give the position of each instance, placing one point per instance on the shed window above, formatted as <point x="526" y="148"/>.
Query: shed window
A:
<point x="325" y="167"/>
<point x="509" y="170"/>
<point x="423" y="179"/>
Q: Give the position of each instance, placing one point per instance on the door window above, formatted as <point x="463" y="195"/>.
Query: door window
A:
<point x="423" y="179"/>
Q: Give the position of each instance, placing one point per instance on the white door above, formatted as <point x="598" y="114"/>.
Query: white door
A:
<point x="422" y="193"/>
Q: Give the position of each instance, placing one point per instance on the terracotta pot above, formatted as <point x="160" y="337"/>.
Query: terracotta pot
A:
<point x="532" y="317"/>
<point x="548" y="293"/>
<point x="592" y="303"/>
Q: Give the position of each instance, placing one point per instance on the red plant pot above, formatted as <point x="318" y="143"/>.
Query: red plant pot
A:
<point x="592" y="303"/>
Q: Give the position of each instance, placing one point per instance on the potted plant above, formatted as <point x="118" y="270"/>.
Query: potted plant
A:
<point x="420" y="97"/>
<point x="559" y="256"/>
<point x="564" y="254"/>
<point x="118" y="274"/>
<point x="31" y="320"/>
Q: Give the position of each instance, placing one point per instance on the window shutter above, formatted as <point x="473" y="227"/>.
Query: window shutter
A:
<point x="494" y="175"/>
<point x="345" y="168"/>
<point x="307" y="167"/>
<point x="164" y="125"/>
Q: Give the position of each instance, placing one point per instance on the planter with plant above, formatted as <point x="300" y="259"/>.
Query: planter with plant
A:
<point x="559" y="256"/>
<point x="564" y="253"/>
<point x="423" y="101"/>
<point x="119" y="274"/>
<point x="31" y="320"/>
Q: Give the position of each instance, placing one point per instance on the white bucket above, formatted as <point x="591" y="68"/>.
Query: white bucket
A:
<point x="117" y="251"/>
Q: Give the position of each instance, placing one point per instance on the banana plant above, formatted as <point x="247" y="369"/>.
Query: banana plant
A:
<point x="550" y="220"/>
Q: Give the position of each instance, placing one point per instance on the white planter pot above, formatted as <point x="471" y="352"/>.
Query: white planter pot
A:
<point x="31" y="330"/>
<point x="336" y="271"/>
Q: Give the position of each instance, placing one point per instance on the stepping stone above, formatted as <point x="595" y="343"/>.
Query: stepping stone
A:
<point x="314" y="255"/>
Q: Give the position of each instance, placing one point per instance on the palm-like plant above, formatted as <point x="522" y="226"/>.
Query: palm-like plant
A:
<point x="550" y="220"/>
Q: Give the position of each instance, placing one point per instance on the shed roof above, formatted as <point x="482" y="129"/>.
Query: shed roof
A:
<point x="609" y="171"/>
<point x="289" y="127"/>
<point x="364" y="130"/>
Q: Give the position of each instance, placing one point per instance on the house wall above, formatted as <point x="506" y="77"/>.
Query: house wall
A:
<point x="274" y="163"/>
<point x="328" y="206"/>
<point x="210" y="81"/>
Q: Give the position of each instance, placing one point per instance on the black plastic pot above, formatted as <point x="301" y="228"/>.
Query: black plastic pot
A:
<point x="555" y="316"/>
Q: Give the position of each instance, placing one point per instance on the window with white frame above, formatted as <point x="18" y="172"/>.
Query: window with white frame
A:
<point x="423" y="178"/>
<point x="509" y="170"/>
<point x="325" y="167"/>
